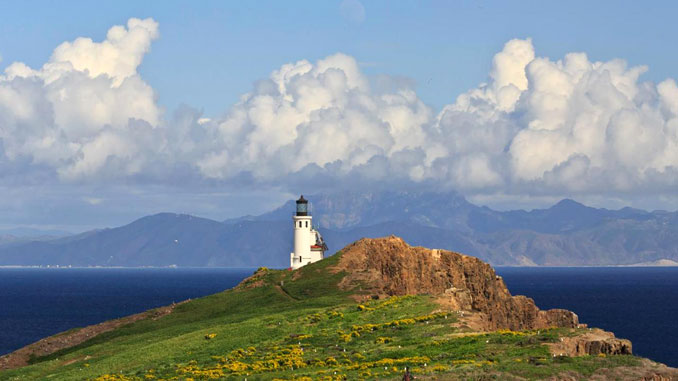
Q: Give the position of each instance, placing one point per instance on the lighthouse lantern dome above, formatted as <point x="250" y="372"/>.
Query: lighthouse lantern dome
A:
<point x="302" y="206"/>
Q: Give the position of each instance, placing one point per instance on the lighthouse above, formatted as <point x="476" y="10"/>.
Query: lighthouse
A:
<point x="309" y="246"/>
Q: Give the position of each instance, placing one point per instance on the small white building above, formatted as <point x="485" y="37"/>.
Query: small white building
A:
<point x="309" y="246"/>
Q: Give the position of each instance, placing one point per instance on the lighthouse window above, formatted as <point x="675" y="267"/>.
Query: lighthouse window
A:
<point x="306" y="223"/>
<point x="299" y="223"/>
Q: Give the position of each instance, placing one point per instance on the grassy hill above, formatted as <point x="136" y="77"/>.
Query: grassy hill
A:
<point x="320" y="322"/>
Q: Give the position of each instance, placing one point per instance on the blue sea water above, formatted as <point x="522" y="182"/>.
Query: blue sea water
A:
<point x="36" y="302"/>
<point x="640" y="304"/>
<point x="636" y="303"/>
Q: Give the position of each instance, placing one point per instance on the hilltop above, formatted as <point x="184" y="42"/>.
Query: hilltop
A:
<point x="365" y="313"/>
<point x="566" y="234"/>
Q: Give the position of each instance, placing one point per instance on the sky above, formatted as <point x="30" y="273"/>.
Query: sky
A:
<point x="114" y="110"/>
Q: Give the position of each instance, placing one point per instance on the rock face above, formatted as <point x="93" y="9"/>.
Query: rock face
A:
<point x="389" y="266"/>
<point x="593" y="343"/>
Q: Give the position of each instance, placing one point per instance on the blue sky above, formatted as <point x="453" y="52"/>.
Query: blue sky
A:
<point x="210" y="52"/>
<point x="226" y="108"/>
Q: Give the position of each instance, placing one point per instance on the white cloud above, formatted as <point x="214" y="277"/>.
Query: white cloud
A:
<point x="572" y="126"/>
<point x="596" y="114"/>
<point x="74" y="113"/>
<point x="537" y="127"/>
<point x="314" y="114"/>
<point x="117" y="57"/>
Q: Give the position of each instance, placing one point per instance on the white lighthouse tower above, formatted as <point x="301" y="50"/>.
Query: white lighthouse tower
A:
<point x="309" y="246"/>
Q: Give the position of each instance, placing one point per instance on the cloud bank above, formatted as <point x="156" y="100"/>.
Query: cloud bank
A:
<point x="86" y="111"/>
<point x="536" y="127"/>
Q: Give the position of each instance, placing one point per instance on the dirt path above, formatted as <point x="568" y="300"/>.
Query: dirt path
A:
<point x="74" y="337"/>
<point x="284" y="293"/>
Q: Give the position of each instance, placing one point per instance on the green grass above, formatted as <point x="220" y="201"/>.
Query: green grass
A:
<point x="291" y="327"/>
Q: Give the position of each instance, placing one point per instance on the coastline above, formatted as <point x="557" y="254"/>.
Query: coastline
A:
<point x="120" y="267"/>
<point x="663" y="263"/>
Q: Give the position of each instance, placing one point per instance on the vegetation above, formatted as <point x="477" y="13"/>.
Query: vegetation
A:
<point x="280" y="325"/>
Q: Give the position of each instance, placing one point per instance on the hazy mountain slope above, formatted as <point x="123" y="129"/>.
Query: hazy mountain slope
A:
<point x="448" y="210"/>
<point x="30" y="232"/>
<point x="348" y="210"/>
<point x="567" y="233"/>
<point x="23" y="235"/>
<point x="159" y="240"/>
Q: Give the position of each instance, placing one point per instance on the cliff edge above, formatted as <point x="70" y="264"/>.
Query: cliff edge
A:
<point x="382" y="267"/>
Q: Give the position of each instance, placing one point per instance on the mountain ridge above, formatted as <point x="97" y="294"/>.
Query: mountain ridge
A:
<point x="566" y="234"/>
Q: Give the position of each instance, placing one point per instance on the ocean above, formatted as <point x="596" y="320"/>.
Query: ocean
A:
<point x="636" y="303"/>
<point x="39" y="302"/>
<point x="640" y="304"/>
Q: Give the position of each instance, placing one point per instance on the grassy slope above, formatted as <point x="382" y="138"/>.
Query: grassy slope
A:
<point x="305" y="328"/>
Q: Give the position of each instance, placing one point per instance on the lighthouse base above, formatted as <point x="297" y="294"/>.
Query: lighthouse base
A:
<point x="297" y="261"/>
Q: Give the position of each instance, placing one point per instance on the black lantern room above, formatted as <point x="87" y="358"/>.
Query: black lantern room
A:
<point x="302" y="206"/>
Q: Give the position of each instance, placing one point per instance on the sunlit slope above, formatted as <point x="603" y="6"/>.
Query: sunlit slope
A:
<point x="314" y="324"/>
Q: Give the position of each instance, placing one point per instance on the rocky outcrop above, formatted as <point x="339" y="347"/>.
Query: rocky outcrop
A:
<point x="593" y="343"/>
<point x="389" y="266"/>
<point x="647" y="370"/>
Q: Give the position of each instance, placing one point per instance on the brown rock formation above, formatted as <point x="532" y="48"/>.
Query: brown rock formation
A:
<point x="389" y="266"/>
<point x="647" y="371"/>
<point x="594" y="342"/>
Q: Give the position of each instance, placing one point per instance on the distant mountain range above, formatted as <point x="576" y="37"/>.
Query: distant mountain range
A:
<point x="565" y="234"/>
<point x="19" y="235"/>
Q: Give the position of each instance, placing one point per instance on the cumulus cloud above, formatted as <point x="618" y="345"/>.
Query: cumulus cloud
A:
<point x="569" y="125"/>
<point x="84" y="108"/>
<point x="318" y="114"/>
<point x="117" y="57"/>
<point x="537" y="126"/>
